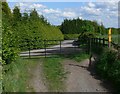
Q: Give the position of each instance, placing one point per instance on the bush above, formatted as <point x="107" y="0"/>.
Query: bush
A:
<point x="9" y="50"/>
<point x="84" y="37"/>
<point x="108" y="66"/>
<point x="71" y="36"/>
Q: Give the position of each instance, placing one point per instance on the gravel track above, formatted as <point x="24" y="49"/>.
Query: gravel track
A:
<point x="81" y="79"/>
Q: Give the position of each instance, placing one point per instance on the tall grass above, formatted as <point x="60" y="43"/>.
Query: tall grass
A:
<point x="78" y="57"/>
<point x="0" y="79"/>
<point x="16" y="76"/>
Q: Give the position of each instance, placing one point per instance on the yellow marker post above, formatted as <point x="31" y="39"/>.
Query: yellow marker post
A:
<point x="109" y="37"/>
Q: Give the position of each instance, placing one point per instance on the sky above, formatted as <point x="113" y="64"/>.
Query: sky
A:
<point x="55" y="12"/>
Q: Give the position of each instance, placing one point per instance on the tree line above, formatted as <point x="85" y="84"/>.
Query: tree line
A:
<point x="77" y="26"/>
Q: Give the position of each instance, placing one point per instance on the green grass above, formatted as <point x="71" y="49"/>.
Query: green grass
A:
<point x="16" y="76"/>
<point x="76" y="56"/>
<point x="54" y="73"/>
<point x="80" y="57"/>
<point x="0" y="69"/>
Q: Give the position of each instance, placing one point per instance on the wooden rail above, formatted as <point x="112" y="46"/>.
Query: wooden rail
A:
<point x="103" y="42"/>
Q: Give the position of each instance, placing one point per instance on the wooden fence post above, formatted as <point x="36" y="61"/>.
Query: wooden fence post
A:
<point x="29" y="48"/>
<point x="103" y="42"/>
<point x="99" y="41"/>
<point x="60" y="46"/>
<point x="45" y="47"/>
<point x="96" y="41"/>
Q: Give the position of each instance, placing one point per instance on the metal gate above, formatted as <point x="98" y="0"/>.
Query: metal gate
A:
<point x="51" y="47"/>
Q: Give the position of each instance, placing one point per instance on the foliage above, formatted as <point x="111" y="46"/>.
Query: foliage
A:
<point x="71" y="36"/>
<point x="108" y="66"/>
<point x="33" y="29"/>
<point x="77" y="26"/>
<point x="6" y="10"/>
<point x="21" y="32"/>
<point x="85" y="36"/>
<point x="16" y="14"/>
<point x="9" y="50"/>
<point x="54" y="73"/>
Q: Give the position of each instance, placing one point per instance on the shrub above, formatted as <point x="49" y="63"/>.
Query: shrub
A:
<point x="108" y="66"/>
<point x="84" y="37"/>
<point x="9" y="50"/>
<point x="71" y="36"/>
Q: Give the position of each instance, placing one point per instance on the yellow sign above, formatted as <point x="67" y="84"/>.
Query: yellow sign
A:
<point x="109" y="35"/>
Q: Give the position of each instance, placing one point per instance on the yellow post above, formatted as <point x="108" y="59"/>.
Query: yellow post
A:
<point x="109" y="38"/>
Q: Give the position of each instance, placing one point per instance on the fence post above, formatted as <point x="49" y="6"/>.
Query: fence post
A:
<point x="96" y="41"/>
<point x="99" y="41"/>
<point x="93" y="40"/>
<point x="90" y="46"/>
<point x="60" y="46"/>
<point x="29" y="48"/>
<point x="103" y="41"/>
<point x="45" y="47"/>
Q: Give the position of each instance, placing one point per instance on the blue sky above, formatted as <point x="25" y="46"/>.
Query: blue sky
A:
<point x="56" y="12"/>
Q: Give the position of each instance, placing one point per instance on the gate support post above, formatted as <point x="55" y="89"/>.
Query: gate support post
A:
<point x="29" y="48"/>
<point x="45" y="47"/>
<point x="60" y="46"/>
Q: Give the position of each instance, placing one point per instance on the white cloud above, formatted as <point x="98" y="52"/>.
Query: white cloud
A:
<point x="106" y="12"/>
<point x="69" y="14"/>
<point x="90" y="4"/>
<point x="80" y="17"/>
<point x="51" y="11"/>
<point x="37" y="6"/>
<point x="91" y="10"/>
<point x="22" y="4"/>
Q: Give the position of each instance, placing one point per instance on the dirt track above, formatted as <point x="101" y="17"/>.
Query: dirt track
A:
<point x="37" y="82"/>
<point x="82" y="79"/>
<point x="79" y="78"/>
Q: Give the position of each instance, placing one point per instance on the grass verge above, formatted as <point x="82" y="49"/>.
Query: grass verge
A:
<point x="77" y="56"/>
<point x="54" y="74"/>
<point x="16" y="76"/>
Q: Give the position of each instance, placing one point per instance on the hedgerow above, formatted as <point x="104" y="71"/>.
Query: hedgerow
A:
<point x="108" y="66"/>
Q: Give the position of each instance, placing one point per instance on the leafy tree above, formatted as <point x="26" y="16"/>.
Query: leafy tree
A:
<point x="77" y="26"/>
<point x="6" y="10"/>
<point x="16" y="14"/>
<point x="9" y="50"/>
<point x="34" y="15"/>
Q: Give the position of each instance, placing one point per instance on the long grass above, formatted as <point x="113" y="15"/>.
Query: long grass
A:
<point x="16" y="76"/>
<point x="0" y="79"/>
<point x="78" y="57"/>
<point x="54" y="74"/>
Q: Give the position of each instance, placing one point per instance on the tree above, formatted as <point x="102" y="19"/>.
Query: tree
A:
<point x="6" y="10"/>
<point x="16" y="14"/>
<point x="34" y="15"/>
<point x="25" y="17"/>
